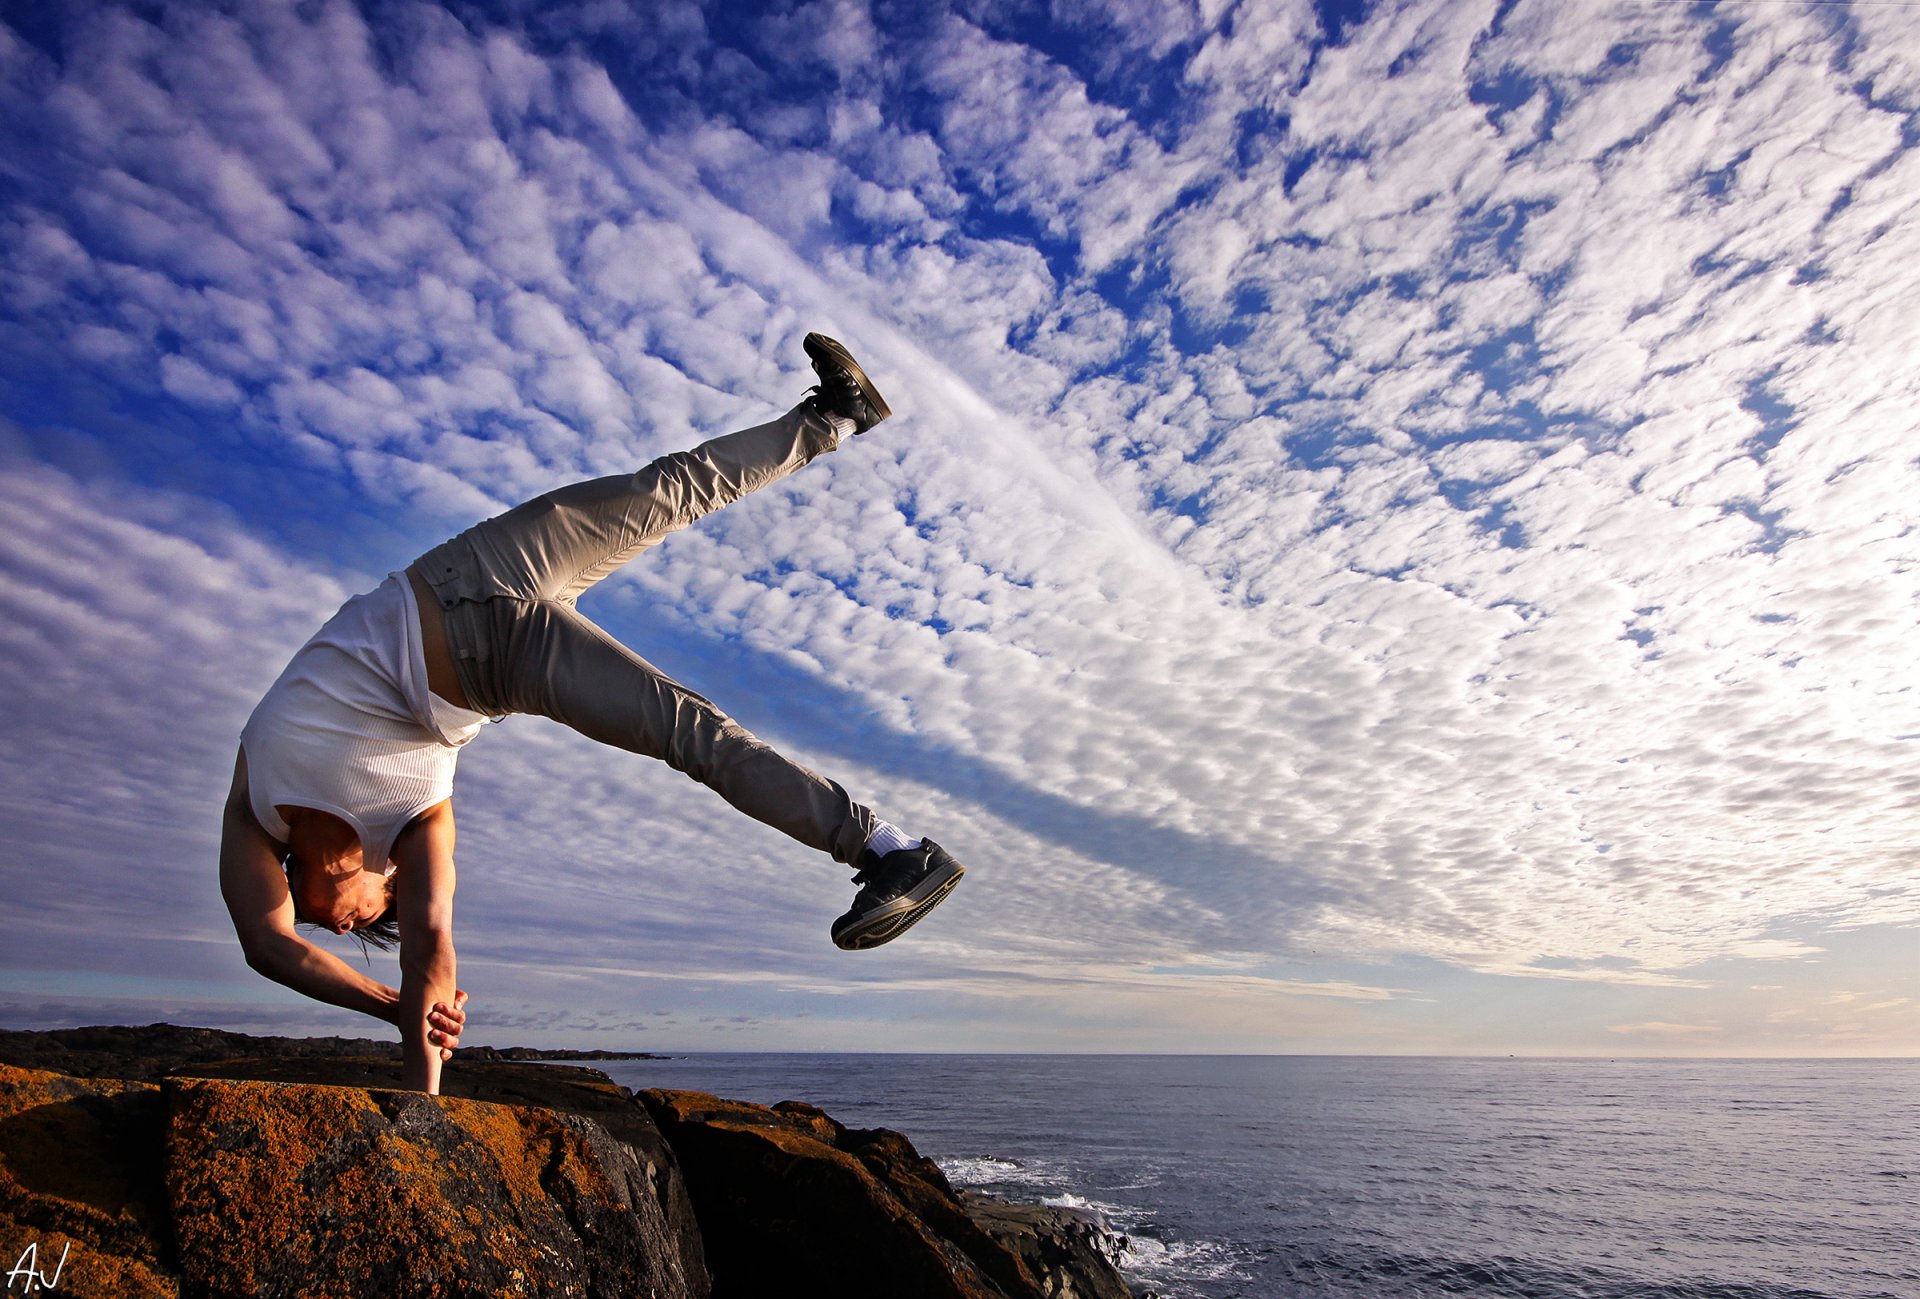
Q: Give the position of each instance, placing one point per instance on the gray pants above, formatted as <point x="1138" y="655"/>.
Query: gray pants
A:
<point x="508" y="587"/>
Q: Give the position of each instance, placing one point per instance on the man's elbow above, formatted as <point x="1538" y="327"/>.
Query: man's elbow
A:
<point x="264" y="955"/>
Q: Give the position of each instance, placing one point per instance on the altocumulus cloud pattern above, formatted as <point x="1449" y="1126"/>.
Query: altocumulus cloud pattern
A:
<point x="1399" y="535"/>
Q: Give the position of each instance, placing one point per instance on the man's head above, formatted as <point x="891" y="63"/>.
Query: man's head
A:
<point x="331" y="885"/>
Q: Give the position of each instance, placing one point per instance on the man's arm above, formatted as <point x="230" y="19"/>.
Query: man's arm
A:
<point x="255" y="889"/>
<point x="423" y="899"/>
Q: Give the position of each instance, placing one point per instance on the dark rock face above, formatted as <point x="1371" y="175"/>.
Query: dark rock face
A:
<point x="307" y="1173"/>
<point x="790" y="1202"/>
<point x="1072" y="1252"/>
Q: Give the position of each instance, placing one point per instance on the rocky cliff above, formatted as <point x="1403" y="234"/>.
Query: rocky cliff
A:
<point x="307" y="1174"/>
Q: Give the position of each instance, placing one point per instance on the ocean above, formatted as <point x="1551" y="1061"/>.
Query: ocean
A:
<point x="1268" y="1177"/>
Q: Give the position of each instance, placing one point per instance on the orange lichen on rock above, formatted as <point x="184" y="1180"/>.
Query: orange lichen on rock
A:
<point x="299" y="1189"/>
<point x="80" y="1183"/>
<point x="230" y="1185"/>
<point x="528" y="1147"/>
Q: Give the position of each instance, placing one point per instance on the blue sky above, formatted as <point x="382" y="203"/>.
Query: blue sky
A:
<point x="1397" y="537"/>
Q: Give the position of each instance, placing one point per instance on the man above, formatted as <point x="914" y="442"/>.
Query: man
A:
<point x="340" y="812"/>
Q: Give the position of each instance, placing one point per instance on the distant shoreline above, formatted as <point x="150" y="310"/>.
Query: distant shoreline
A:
<point x="127" y="1051"/>
<point x="557" y="1053"/>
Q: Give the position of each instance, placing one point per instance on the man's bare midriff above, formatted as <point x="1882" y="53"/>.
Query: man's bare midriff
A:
<point x="441" y="677"/>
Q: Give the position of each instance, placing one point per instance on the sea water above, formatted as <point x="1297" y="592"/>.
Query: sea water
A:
<point x="1378" y="1178"/>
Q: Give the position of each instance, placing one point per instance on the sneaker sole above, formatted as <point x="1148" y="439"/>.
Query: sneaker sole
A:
<point x="887" y="923"/>
<point x="830" y="349"/>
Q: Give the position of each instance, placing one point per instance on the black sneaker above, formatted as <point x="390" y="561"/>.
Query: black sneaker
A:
<point x="844" y="387"/>
<point x="900" y="888"/>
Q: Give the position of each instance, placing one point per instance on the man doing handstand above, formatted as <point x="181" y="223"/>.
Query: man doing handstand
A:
<point x="340" y="813"/>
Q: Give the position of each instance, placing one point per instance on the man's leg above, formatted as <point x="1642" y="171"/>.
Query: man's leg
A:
<point x="554" y="662"/>
<point x="550" y="660"/>
<point x="508" y="586"/>
<point x="557" y="545"/>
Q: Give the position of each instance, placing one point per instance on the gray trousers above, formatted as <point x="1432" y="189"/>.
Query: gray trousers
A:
<point x="508" y="587"/>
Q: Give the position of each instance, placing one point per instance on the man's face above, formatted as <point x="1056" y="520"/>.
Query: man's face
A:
<point x="330" y="882"/>
<point x="340" y="901"/>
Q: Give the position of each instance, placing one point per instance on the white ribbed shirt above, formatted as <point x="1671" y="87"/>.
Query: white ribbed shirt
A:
<point x="351" y="728"/>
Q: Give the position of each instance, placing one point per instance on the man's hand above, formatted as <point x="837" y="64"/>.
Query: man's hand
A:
<point x="444" y="1023"/>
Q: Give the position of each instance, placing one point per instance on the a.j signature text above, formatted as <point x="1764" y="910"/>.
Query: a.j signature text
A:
<point x="27" y="1270"/>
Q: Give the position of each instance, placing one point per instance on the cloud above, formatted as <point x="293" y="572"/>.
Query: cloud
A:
<point x="138" y="632"/>
<point x="1657" y="1030"/>
<point x="1773" y="949"/>
<point x="1437" y="490"/>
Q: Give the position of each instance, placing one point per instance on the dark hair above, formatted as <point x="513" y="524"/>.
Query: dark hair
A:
<point x="382" y="932"/>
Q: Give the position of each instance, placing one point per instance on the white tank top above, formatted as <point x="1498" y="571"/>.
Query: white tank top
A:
<point x="352" y="729"/>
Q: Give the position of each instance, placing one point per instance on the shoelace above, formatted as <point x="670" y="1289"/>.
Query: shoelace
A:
<point x="838" y="401"/>
<point x="840" y="389"/>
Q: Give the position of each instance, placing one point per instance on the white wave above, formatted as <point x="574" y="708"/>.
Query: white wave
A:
<point x="996" y="1170"/>
<point x="1163" y="1265"/>
<point x="1166" y="1263"/>
<point x="1069" y="1200"/>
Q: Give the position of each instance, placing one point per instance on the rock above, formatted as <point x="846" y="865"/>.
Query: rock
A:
<point x="587" y="1093"/>
<point x="215" y="1164"/>
<point x="1074" y="1252"/>
<point x="290" y="1188"/>
<point x="791" y="1202"/>
<point x="80" y="1182"/>
<point x="113" y="1051"/>
<point x="782" y="1211"/>
<point x="925" y="1190"/>
<point x="279" y="1188"/>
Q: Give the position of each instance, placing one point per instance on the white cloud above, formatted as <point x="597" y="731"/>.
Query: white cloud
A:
<point x="1495" y="550"/>
<point x="1658" y="1030"/>
<point x="1773" y="949"/>
<point x="137" y="635"/>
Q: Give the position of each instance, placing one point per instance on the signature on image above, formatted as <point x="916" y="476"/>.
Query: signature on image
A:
<point x="27" y="1269"/>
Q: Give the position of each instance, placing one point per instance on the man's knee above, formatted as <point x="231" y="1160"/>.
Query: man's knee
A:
<point x="705" y="741"/>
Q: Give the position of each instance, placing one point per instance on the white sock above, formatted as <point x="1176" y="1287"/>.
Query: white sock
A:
<point x="842" y="426"/>
<point x="888" y="837"/>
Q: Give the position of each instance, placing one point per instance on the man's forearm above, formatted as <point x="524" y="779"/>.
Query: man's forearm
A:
<point x="425" y="978"/>
<point x="308" y="970"/>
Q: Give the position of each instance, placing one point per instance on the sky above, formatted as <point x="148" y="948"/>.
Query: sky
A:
<point x="1397" y="535"/>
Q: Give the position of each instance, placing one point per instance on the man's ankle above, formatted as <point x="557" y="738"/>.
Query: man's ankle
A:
<point x="888" y="837"/>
